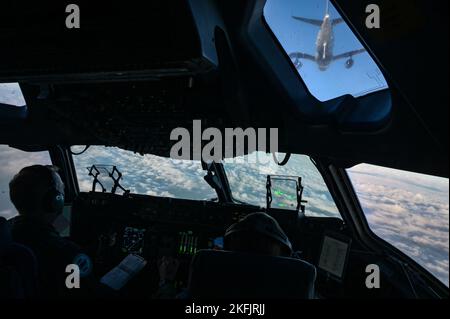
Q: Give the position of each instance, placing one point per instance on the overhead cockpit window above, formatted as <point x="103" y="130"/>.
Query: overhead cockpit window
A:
<point x="328" y="56"/>
<point x="11" y="94"/>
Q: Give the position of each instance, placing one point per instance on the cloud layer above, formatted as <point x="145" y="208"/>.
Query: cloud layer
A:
<point x="11" y="94"/>
<point x="149" y="174"/>
<point x="410" y="211"/>
<point x="248" y="182"/>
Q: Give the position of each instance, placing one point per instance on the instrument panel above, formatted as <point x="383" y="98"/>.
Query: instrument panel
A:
<point x="179" y="244"/>
<point x="113" y="226"/>
<point x="110" y="227"/>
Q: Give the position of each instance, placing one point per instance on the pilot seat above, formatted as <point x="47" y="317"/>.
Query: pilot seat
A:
<point x="18" y="267"/>
<point x="230" y="275"/>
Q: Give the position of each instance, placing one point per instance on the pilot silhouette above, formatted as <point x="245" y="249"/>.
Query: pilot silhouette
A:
<point x="258" y="233"/>
<point x="37" y="192"/>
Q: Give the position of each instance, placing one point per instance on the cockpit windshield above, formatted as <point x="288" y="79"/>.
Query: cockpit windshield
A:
<point x="247" y="177"/>
<point x="98" y="168"/>
<point x="10" y="94"/>
<point x="147" y="174"/>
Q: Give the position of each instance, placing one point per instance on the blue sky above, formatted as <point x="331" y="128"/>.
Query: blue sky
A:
<point x="297" y="36"/>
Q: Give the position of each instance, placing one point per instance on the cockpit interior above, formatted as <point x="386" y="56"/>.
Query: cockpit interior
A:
<point x="101" y="102"/>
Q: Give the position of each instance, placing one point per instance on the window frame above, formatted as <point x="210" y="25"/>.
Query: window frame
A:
<point x="330" y="103"/>
<point x="351" y="114"/>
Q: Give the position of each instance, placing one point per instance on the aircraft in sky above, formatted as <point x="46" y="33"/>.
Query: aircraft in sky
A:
<point x="324" y="44"/>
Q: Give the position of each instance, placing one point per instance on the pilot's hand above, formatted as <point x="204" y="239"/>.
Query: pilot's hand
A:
<point x="168" y="267"/>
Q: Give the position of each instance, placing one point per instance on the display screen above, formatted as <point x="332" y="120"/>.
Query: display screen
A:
<point x="284" y="193"/>
<point x="133" y="240"/>
<point x="217" y="243"/>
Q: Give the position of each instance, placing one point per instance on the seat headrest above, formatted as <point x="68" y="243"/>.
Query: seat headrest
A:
<point x="224" y="274"/>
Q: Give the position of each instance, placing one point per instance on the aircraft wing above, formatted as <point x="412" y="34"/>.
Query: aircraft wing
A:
<point x="297" y="56"/>
<point x="300" y="55"/>
<point x="337" y="21"/>
<point x="310" y="21"/>
<point x="348" y="54"/>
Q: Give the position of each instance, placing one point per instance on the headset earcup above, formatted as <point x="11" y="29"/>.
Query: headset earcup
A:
<point x="53" y="202"/>
<point x="58" y="203"/>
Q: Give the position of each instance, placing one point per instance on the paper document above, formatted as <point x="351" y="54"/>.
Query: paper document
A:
<point x="122" y="273"/>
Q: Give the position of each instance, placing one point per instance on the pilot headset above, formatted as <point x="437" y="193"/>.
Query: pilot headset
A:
<point x="53" y="199"/>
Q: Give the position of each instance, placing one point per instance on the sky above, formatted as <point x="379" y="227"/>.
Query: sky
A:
<point x="296" y="36"/>
<point x="10" y="94"/>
